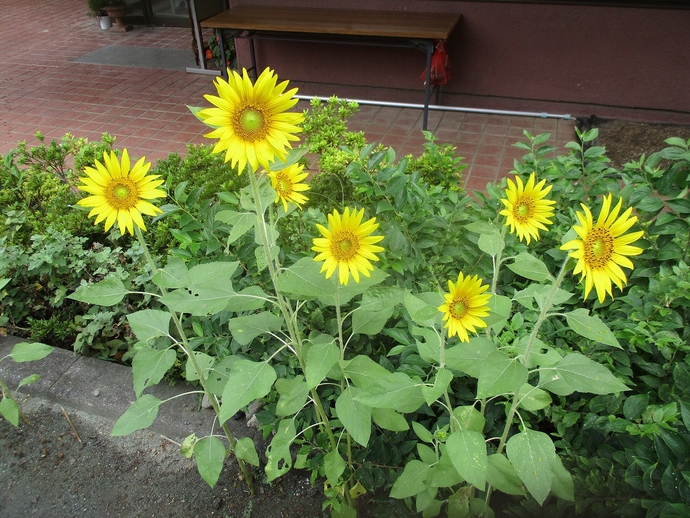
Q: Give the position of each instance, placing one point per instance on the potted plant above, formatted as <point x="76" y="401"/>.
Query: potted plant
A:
<point x="111" y="9"/>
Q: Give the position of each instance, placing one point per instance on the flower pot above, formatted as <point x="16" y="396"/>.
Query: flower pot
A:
<point x="106" y="22"/>
<point x="118" y="12"/>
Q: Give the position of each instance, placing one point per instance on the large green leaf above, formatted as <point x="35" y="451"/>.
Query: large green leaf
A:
<point x="529" y="267"/>
<point x="245" y="450"/>
<point x="208" y="291"/>
<point x="108" y="292"/>
<point x="501" y="475"/>
<point x="9" y="409"/>
<point x="241" y="223"/>
<point x="533" y="398"/>
<point x="491" y="243"/>
<point x="389" y="419"/>
<point x="441" y="381"/>
<point x="334" y="466"/>
<point x="469" y="357"/>
<point x="30" y="351"/>
<point x="247" y="381"/>
<point x="149" y="366"/>
<point x="411" y="481"/>
<point x="579" y="373"/>
<point x="293" y="395"/>
<point x="420" y="311"/>
<point x="430" y="348"/>
<point x="173" y="275"/>
<point x="375" y="309"/>
<point x="355" y="416"/>
<point x="500" y="375"/>
<point x="209" y="454"/>
<point x="394" y="390"/>
<point x="531" y="453"/>
<point x="591" y="326"/>
<point x="303" y="280"/>
<point x="320" y="358"/>
<point x="149" y="323"/>
<point x="140" y="414"/>
<point x="467" y="450"/>
<point x="363" y="371"/>
<point x="245" y="329"/>
<point x="278" y="452"/>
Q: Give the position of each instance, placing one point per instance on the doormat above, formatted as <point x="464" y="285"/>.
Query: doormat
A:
<point x="141" y="57"/>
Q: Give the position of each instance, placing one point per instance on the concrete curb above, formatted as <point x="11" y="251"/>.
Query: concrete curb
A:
<point x="106" y="390"/>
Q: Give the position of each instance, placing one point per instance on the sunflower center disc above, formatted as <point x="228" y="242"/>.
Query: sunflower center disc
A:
<point x="346" y="246"/>
<point x="459" y="308"/>
<point x="284" y="185"/>
<point x="598" y="247"/>
<point x="523" y="210"/>
<point x="121" y="192"/>
<point x="251" y="120"/>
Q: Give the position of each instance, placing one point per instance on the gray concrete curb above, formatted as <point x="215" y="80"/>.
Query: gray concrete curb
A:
<point x="106" y="390"/>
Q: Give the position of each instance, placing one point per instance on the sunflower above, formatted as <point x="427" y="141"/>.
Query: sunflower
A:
<point x="251" y="122"/>
<point x="602" y="248"/>
<point x="347" y="244"/>
<point x="465" y="305"/>
<point x="118" y="193"/>
<point x="527" y="210"/>
<point x="289" y="186"/>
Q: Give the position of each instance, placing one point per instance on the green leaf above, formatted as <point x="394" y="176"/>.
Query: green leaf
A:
<point x="355" y="416"/>
<point x="173" y="275"/>
<point x="429" y="349"/>
<point x="204" y="362"/>
<point x="533" y="398"/>
<point x="444" y="474"/>
<point x="248" y="299"/>
<point x="247" y="381"/>
<point x="470" y="357"/>
<point x="582" y="374"/>
<point x="293" y="395"/>
<point x="411" y="481"/>
<point x="375" y="309"/>
<point x="32" y="378"/>
<point x="469" y="418"/>
<point x="304" y="281"/>
<point x="245" y="450"/>
<point x="389" y="419"/>
<point x="245" y="329"/>
<point x="3" y="283"/>
<point x="209" y="454"/>
<point x="149" y="323"/>
<point x="421" y="312"/>
<point x="149" y="366"/>
<point x="140" y="414"/>
<point x="491" y="243"/>
<point x="421" y="432"/>
<point x="502" y="475"/>
<point x="334" y="466"/>
<point x="278" y="452"/>
<point x="9" y="409"/>
<point x="320" y="358"/>
<point x="499" y="312"/>
<point x="294" y="155"/>
<point x="562" y="485"/>
<point x="529" y="267"/>
<point x="441" y="382"/>
<point x="467" y="451"/>
<point x="591" y="326"/>
<point x="108" y="292"/>
<point x="241" y="223"/>
<point x="187" y="446"/>
<point x="208" y="292"/>
<point x="531" y="453"/>
<point x="30" y="351"/>
<point x="397" y="391"/>
<point x="500" y="375"/>
<point x="217" y="377"/>
<point x="349" y="292"/>
<point x="363" y="371"/>
<point x="635" y="406"/>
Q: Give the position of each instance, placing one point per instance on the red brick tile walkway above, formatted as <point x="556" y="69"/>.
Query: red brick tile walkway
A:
<point x="43" y="89"/>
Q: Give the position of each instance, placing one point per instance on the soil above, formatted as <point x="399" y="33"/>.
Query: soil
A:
<point x="625" y="141"/>
<point x="47" y="470"/>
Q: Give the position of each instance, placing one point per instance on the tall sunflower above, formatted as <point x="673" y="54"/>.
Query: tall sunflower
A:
<point x="289" y="186"/>
<point x="465" y="306"/>
<point x="119" y="193"/>
<point x="602" y="247"/>
<point x="251" y="121"/>
<point x="527" y="210"/>
<point x="347" y="245"/>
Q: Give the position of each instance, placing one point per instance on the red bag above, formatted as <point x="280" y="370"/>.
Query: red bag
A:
<point x="440" y="64"/>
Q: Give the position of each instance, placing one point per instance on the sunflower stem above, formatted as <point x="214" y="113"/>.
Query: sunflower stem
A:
<point x="184" y="345"/>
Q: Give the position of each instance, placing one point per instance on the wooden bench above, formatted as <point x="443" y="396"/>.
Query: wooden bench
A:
<point x="397" y="28"/>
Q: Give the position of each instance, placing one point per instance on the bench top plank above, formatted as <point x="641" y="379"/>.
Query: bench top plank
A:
<point x="390" y="24"/>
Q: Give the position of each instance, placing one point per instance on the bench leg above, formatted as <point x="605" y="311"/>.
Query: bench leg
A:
<point x="221" y="42"/>
<point x="427" y="84"/>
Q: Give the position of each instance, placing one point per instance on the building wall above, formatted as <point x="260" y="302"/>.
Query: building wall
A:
<point x="612" y="62"/>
